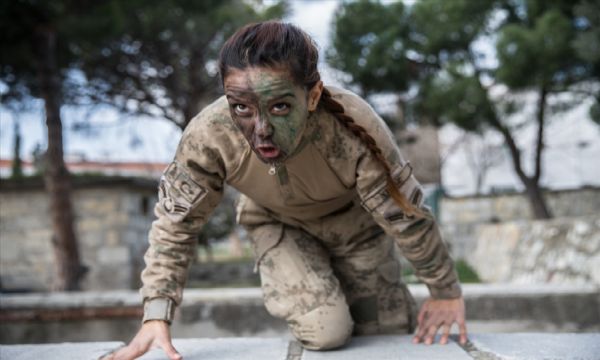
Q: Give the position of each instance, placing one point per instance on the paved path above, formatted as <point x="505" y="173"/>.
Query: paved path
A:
<point x="529" y="346"/>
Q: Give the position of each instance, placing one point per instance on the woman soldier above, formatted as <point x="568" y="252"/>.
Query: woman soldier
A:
<point x="322" y="183"/>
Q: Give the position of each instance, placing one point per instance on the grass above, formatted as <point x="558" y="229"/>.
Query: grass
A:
<point x="212" y="285"/>
<point x="466" y="274"/>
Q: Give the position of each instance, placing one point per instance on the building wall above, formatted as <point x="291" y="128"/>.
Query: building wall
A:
<point x="111" y="223"/>
<point x="460" y="218"/>
<point x="498" y="237"/>
<point x="498" y="208"/>
<point x="561" y="250"/>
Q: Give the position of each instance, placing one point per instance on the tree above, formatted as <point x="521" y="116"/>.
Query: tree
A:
<point x="368" y="44"/>
<point x="145" y="57"/>
<point x="35" y="58"/>
<point x="17" y="163"/>
<point x="160" y="57"/>
<point x="447" y="76"/>
<point x="587" y="44"/>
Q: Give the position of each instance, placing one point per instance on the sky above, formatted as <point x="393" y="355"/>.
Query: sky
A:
<point x="573" y="141"/>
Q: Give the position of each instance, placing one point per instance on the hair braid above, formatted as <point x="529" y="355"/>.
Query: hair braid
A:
<point x="337" y="110"/>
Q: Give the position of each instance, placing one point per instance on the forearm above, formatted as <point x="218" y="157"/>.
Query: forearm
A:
<point x="167" y="259"/>
<point x="184" y="205"/>
<point x="190" y="188"/>
<point x="171" y="251"/>
<point x="418" y="237"/>
<point x="422" y="245"/>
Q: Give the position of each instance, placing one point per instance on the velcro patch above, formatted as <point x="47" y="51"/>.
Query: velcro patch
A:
<point x="178" y="192"/>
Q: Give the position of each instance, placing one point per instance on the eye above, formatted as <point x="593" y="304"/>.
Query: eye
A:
<point x="241" y="109"/>
<point x="280" y="108"/>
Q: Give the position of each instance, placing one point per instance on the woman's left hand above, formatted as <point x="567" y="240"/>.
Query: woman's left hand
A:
<point x="441" y="313"/>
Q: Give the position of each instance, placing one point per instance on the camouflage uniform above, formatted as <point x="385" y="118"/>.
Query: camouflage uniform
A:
<point x="318" y="225"/>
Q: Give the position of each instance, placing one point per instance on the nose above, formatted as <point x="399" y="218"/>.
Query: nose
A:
<point x="263" y="127"/>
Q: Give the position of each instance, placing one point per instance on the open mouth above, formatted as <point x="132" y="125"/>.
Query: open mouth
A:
<point x="268" y="151"/>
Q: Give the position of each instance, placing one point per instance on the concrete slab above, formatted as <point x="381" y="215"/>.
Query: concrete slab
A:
<point x="226" y="349"/>
<point x="526" y="346"/>
<point x="532" y="346"/>
<point x="66" y="351"/>
<point x="389" y="347"/>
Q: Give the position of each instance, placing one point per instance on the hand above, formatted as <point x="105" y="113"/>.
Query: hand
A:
<point x="153" y="334"/>
<point x="441" y="313"/>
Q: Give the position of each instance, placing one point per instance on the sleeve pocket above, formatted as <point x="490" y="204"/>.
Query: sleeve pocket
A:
<point x="178" y="193"/>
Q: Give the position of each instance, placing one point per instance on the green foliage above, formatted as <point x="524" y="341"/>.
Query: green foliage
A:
<point x="430" y="48"/>
<point x="433" y="54"/>
<point x="152" y="57"/>
<point x="587" y="43"/>
<point x="371" y="45"/>
<point x="466" y="274"/>
<point x="160" y="56"/>
<point x="443" y="30"/>
<point x="536" y="55"/>
<point x="471" y="107"/>
<point x="144" y="57"/>
<point x="595" y="111"/>
<point x="21" y="23"/>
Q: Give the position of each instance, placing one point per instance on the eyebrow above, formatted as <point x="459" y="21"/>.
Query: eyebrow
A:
<point x="240" y="95"/>
<point x="287" y="94"/>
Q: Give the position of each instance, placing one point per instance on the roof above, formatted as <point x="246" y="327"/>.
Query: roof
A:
<point x="135" y="169"/>
<point x="80" y="182"/>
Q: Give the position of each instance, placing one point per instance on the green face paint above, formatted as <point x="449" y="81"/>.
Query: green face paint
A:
<point x="270" y="110"/>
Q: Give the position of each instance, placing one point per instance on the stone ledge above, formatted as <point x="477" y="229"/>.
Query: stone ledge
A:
<point x="545" y="302"/>
<point x="529" y="346"/>
<point x="112" y="298"/>
<point x="216" y="313"/>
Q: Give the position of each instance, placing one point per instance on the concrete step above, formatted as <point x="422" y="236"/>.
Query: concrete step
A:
<point x="530" y="346"/>
<point x="214" y="313"/>
<point x="551" y="302"/>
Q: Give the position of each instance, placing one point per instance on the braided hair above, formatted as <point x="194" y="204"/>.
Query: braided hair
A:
<point x="276" y="44"/>
<point x="337" y="110"/>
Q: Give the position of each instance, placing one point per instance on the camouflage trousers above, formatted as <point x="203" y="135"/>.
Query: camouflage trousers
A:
<point x="329" y="278"/>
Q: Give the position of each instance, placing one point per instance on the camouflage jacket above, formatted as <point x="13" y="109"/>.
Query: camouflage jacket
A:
<point x="332" y="168"/>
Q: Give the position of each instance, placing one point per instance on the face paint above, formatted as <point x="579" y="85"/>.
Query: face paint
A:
<point x="269" y="109"/>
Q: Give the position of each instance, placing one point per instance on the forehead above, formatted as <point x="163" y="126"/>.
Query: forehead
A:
<point x="258" y="80"/>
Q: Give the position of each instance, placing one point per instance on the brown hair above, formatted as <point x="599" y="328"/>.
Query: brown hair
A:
<point x="275" y="44"/>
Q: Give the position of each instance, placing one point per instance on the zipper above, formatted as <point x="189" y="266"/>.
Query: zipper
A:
<point x="284" y="181"/>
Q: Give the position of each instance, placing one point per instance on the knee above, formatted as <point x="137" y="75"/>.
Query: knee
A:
<point x="324" y="328"/>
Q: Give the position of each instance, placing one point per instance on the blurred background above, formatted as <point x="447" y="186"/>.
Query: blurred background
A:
<point x="494" y="102"/>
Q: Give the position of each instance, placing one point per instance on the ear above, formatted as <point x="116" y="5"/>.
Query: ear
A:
<point x="314" y="95"/>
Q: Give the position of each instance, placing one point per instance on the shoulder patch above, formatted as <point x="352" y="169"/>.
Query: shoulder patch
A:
<point x="178" y="192"/>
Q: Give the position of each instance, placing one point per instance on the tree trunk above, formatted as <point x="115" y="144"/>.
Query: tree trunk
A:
<point x="17" y="164"/>
<point x="539" y="209"/>
<point x="56" y="175"/>
<point x="532" y="188"/>
<point x="534" y="193"/>
<point x="188" y="114"/>
<point x="537" y="202"/>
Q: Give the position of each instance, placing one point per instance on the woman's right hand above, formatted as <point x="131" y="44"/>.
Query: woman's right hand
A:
<point x="153" y="334"/>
